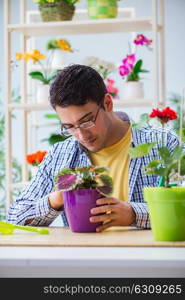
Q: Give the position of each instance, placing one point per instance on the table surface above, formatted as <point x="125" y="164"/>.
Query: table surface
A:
<point x="62" y="259"/>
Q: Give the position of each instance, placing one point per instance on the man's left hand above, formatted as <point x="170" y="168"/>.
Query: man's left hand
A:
<point x="113" y="213"/>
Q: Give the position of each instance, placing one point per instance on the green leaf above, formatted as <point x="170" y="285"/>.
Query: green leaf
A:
<point x="177" y="153"/>
<point x="143" y="71"/>
<point x="154" y="163"/>
<point x="52" y="116"/>
<point x="137" y="66"/>
<point x="141" y="150"/>
<point x="38" y="76"/>
<point x="165" y="155"/>
<point x="155" y="171"/>
<point x="144" y="119"/>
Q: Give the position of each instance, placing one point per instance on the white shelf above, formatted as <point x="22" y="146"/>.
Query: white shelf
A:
<point x="118" y="104"/>
<point x="83" y="27"/>
<point x="30" y="106"/>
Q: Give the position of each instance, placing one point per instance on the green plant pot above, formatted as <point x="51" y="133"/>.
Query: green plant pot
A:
<point x="102" y="9"/>
<point x="59" y="11"/>
<point x="167" y="212"/>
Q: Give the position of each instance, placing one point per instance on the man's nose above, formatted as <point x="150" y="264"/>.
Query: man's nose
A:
<point x="82" y="133"/>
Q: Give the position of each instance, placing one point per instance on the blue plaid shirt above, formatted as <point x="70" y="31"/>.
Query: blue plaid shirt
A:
<point x="33" y="202"/>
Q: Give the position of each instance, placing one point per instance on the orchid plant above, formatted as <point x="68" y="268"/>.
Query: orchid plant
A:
<point x="131" y="67"/>
<point x="89" y="177"/>
<point x="45" y="75"/>
<point x="170" y="166"/>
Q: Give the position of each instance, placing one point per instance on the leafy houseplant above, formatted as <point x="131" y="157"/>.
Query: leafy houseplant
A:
<point x="81" y="188"/>
<point x="56" y="10"/>
<point x="167" y="202"/>
<point x="131" y="68"/>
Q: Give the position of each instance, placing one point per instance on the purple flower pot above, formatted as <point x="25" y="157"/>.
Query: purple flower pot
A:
<point x="77" y="205"/>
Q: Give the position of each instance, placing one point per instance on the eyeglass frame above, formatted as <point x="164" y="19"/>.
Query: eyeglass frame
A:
<point x="73" y="127"/>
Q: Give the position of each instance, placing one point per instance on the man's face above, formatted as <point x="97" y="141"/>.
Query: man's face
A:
<point x="94" y="138"/>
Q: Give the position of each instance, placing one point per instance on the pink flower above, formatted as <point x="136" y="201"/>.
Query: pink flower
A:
<point x="142" y="40"/>
<point x="111" y="89"/>
<point x="124" y="71"/>
<point x="129" y="61"/>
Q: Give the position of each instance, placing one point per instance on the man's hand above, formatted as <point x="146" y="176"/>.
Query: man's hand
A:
<point x="113" y="213"/>
<point x="56" y="200"/>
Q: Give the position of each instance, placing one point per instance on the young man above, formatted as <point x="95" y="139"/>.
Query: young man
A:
<point x="100" y="137"/>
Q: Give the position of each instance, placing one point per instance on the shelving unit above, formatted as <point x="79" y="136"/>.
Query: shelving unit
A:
<point x="30" y="26"/>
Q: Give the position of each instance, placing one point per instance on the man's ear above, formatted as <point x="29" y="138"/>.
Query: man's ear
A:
<point x="108" y="103"/>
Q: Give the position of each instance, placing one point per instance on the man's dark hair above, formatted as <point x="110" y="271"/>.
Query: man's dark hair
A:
<point x="77" y="85"/>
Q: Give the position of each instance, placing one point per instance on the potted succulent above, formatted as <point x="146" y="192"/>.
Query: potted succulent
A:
<point x="166" y="203"/>
<point x="81" y="188"/>
<point x="131" y="68"/>
<point x="102" y="9"/>
<point x="56" y="10"/>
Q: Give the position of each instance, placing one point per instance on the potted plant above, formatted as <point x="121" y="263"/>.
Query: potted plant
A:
<point x="102" y="9"/>
<point x="81" y="188"/>
<point x="131" y="69"/>
<point x="44" y="75"/>
<point x="166" y="203"/>
<point x="58" y="48"/>
<point x="56" y="10"/>
<point x="103" y="67"/>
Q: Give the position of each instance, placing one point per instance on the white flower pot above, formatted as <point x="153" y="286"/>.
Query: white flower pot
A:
<point x="133" y="90"/>
<point x="42" y="93"/>
<point x="58" y="58"/>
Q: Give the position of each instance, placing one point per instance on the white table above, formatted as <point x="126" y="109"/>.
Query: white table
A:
<point x="76" y="262"/>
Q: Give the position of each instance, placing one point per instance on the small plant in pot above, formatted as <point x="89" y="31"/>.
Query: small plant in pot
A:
<point x="81" y="187"/>
<point x="166" y="203"/>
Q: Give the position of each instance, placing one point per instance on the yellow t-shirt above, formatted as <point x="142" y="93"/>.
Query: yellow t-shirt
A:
<point x="116" y="158"/>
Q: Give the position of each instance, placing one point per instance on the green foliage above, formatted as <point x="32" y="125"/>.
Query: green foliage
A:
<point x="141" y="150"/>
<point x="134" y="75"/>
<point x="143" y="121"/>
<point x="88" y="177"/>
<point x="70" y="2"/>
<point x="44" y="78"/>
<point x="52" y="45"/>
<point x="175" y="101"/>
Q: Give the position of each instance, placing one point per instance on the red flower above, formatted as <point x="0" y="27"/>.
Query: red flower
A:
<point x="164" y="115"/>
<point x="35" y="158"/>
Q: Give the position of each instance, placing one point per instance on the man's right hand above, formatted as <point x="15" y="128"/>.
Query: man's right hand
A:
<point x="56" y="200"/>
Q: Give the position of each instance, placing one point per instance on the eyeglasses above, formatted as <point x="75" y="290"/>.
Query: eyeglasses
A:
<point x="70" y="129"/>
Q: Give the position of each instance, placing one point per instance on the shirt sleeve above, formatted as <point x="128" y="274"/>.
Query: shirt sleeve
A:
<point x="33" y="203"/>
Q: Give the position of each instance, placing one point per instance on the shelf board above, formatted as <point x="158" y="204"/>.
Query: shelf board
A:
<point x="30" y="106"/>
<point x="118" y="104"/>
<point x="121" y="104"/>
<point x="83" y="27"/>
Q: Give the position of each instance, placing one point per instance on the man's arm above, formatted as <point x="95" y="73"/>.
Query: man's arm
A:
<point x="37" y="206"/>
